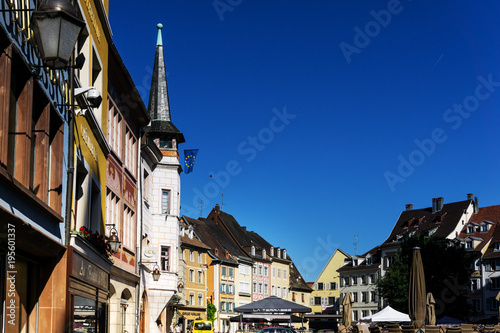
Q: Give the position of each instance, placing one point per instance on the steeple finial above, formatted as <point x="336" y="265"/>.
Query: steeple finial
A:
<point x="159" y="41"/>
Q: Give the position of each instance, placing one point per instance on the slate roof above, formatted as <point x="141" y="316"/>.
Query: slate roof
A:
<point x="421" y="221"/>
<point x="490" y="213"/>
<point x="211" y="235"/>
<point x="297" y="282"/>
<point x="374" y="253"/>
<point x="159" y="106"/>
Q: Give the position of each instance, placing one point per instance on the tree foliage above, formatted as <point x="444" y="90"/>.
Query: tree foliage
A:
<point x="211" y="310"/>
<point x="447" y="271"/>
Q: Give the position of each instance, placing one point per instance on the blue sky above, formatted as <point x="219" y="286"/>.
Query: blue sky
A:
<point x="320" y="120"/>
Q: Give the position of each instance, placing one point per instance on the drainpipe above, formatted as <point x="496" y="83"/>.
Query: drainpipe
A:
<point x="139" y="255"/>
<point x="71" y="152"/>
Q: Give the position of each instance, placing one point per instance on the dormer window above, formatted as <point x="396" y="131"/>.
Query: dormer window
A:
<point x="253" y="250"/>
<point x="471" y="229"/>
<point x="368" y="260"/>
<point x="264" y="253"/>
<point x="272" y="251"/>
<point x="497" y="246"/>
<point x="284" y="254"/>
<point x="355" y="262"/>
<point x="469" y="245"/>
<point x="278" y="253"/>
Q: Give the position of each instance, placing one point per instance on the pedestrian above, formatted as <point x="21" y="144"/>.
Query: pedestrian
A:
<point x="178" y="328"/>
<point x="171" y="327"/>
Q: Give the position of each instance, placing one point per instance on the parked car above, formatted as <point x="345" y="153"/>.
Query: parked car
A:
<point x="277" y="329"/>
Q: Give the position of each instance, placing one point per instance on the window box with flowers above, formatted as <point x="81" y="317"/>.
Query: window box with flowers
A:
<point x="97" y="240"/>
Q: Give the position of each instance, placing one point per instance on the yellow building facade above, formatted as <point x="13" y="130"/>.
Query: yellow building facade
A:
<point x="326" y="287"/>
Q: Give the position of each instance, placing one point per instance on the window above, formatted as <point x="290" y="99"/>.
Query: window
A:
<point x="364" y="313"/>
<point x="495" y="283"/>
<point x="285" y="292"/>
<point x="372" y="279"/>
<point x="470" y="229"/>
<point x="191" y="255"/>
<point x="363" y="279"/>
<point x="484" y="227"/>
<point x="364" y="296"/>
<point x="497" y="246"/>
<point x="200" y="299"/>
<point x="332" y="286"/>
<point x="254" y="268"/>
<point x="254" y="287"/>
<point x="115" y="128"/>
<point x="320" y="286"/>
<point x="331" y="300"/>
<point x="199" y="258"/>
<point x="129" y="228"/>
<point x="223" y="288"/>
<point x="245" y="287"/>
<point x="260" y="288"/>
<point x="200" y="277"/>
<point x="354" y="280"/>
<point x="230" y="271"/>
<point x="260" y="269"/>
<point x="346" y="281"/>
<point x="373" y="296"/>
<point x="165" y="202"/>
<point x="474" y="284"/>
<point x="265" y="271"/>
<point x="224" y="270"/>
<point x="355" y="315"/>
<point x="164" y="258"/>
<point x="278" y="291"/>
<point x="191" y="275"/>
<point x="369" y="260"/>
<point x="223" y="306"/>
<point x="273" y="270"/>
<point x="279" y="273"/>
<point x="130" y="159"/>
<point x="492" y="304"/>
<point x="468" y="245"/>
<point x="191" y="298"/>
<point x="244" y="270"/>
<point x="284" y="274"/>
<point x="355" y="297"/>
<point x="31" y="133"/>
<point x="266" y="289"/>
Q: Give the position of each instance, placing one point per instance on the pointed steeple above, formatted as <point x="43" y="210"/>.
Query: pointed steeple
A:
<point x="161" y="127"/>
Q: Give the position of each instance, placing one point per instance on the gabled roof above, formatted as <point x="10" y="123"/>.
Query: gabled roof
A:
<point x="490" y="214"/>
<point x="297" y="282"/>
<point x="337" y="251"/>
<point x="374" y="254"/>
<point x="421" y="221"/>
<point x="211" y="235"/>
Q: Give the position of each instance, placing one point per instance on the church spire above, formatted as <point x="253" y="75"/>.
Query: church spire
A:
<point x="161" y="127"/>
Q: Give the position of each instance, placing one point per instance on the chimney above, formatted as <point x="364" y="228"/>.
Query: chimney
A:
<point x="439" y="204"/>
<point x="476" y="206"/>
<point x="433" y="205"/>
<point x="217" y="208"/>
<point x="409" y="207"/>
<point x="244" y="229"/>
<point x="469" y="196"/>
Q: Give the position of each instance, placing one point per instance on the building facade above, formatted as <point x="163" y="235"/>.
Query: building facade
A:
<point x="164" y="205"/>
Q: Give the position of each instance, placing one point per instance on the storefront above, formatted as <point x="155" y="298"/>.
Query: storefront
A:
<point x="89" y="289"/>
<point x="186" y="317"/>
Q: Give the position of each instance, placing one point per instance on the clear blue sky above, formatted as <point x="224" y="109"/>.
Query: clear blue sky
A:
<point x="320" y="120"/>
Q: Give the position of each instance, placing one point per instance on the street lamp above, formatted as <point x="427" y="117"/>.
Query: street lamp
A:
<point x="113" y="241"/>
<point x="156" y="273"/>
<point x="56" y="29"/>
